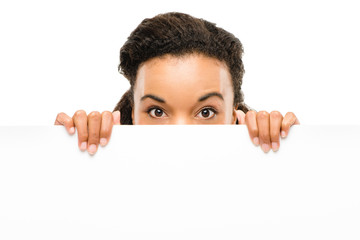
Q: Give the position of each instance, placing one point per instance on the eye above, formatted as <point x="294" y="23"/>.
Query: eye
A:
<point x="207" y="113"/>
<point x="156" y="112"/>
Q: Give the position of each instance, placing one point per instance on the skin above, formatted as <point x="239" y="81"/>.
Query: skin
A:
<point x="180" y="83"/>
<point x="192" y="89"/>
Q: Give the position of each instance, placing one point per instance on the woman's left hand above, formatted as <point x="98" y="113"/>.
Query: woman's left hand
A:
<point x="265" y="128"/>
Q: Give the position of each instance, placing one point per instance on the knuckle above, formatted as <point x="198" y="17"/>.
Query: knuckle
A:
<point x="64" y="119"/>
<point x="264" y="135"/>
<point x="254" y="131"/>
<point x="265" y="139"/>
<point x="274" y="134"/>
<point x="262" y="115"/>
<point x="106" y="115"/>
<point x="59" y="114"/>
<point x="285" y="126"/>
<point x="275" y="114"/>
<point x="80" y="113"/>
<point x="106" y="126"/>
<point x="250" y="113"/>
<point x="105" y="130"/>
<point x="104" y="133"/>
<point x="94" y="114"/>
<point x="83" y="136"/>
<point x="59" y="118"/>
<point x="93" y="136"/>
<point x="290" y="114"/>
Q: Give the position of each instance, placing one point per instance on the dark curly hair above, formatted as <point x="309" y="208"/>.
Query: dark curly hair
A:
<point x="178" y="34"/>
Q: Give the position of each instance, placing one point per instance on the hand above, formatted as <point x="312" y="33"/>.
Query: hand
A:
<point x="264" y="128"/>
<point x="92" y="129"/>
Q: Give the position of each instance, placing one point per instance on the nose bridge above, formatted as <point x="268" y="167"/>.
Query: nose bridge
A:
<point x="181" y="119"/>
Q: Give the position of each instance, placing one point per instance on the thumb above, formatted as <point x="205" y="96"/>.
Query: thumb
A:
<point x="240" y="116"/>
<point x="116" y="117"/>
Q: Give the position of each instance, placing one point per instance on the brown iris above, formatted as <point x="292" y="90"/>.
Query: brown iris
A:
<point x="205" y="113"/>
<point x="158" y="112"/>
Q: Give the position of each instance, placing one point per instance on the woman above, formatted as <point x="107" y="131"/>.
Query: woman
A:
<point x="182" y="70"/>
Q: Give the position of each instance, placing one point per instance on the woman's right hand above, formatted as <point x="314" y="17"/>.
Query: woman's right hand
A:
<point x="92" y="129"/>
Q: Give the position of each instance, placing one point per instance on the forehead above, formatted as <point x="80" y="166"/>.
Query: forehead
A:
<point x="187" y="76"/>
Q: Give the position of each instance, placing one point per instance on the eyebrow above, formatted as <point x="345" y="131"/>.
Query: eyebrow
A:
<point x="153" y="97"/>
<point x="202" y="98"/>
<point x="206" y="96"/>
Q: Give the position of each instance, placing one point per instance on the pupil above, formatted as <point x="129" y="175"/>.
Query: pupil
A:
<point x="158" y="112"/>
<point x="205" y="112"/>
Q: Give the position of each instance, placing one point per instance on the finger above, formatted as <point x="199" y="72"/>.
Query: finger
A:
<point x="275" y="127"/>
<point x="289" y="120"/>
<point x="65" y="120"/>
<point x="240" y="116"/>
<point x="250" y="120"/>
<point x="106" y="127"/>
<point x="94" y="123"/>
<point x="263" y="122"/>
<point x="80" y="121"/>
<point x="116" y="117"/>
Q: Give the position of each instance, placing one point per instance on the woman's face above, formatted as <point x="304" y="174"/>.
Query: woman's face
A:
<point x="193" y="89"/>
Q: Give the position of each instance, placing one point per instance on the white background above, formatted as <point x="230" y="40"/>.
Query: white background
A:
<point x="143" y="185"/>
<point x="62" y="56"/>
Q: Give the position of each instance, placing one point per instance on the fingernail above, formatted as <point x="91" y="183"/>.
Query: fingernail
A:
<point x="72" y="130"/>
<point x="83" y="146"/>
<point x="92" y="149"/>
<point x="103" y="141"/>
<point x="256" y="141"/>
<point x="265" y="147"/>
<point x="275" y="146"/>
<point x="283" y="134"/>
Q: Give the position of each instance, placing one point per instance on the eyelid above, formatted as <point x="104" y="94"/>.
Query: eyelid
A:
<point x="210" y="107"/>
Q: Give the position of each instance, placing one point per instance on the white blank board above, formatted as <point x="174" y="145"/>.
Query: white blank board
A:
<point x="180" y="182"/>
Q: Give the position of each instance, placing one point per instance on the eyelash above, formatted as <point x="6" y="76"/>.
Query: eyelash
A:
<point x="207" y="107"/>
